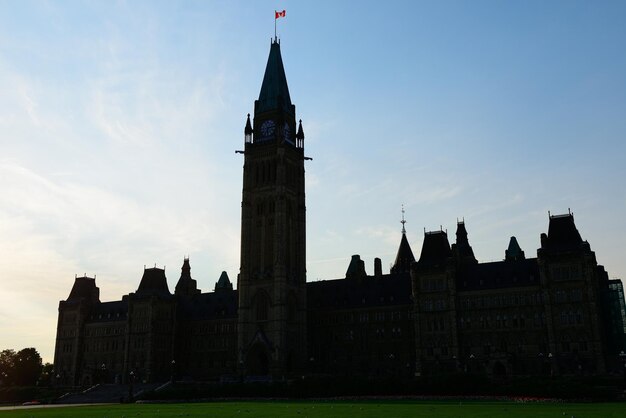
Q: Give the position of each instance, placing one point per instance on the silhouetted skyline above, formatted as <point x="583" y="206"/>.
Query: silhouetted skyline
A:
<point x="120" y="124"/>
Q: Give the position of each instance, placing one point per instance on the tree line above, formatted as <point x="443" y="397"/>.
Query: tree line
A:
<point x="23" y="368"/>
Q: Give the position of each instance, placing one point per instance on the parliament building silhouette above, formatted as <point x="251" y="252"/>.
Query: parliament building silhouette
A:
<point x="556" y="313"/>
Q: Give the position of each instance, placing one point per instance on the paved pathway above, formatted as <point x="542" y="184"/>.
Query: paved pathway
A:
<point x="53" y="405"/>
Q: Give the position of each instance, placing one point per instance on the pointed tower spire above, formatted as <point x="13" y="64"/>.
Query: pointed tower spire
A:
<point x="405" y="256"/>
<point x="274" y="95"/>
<point x="403" y="222"/>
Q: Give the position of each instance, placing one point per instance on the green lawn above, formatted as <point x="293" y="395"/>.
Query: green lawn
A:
<point x="323" y="409"/>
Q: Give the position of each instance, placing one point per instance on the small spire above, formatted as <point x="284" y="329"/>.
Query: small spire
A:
<point x="300" y="135"/>
<point x="403" y="221"/>
<point x="248" y="131"/>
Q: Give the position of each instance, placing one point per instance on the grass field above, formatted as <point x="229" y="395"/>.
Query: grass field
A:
<point x="327" y="409"/>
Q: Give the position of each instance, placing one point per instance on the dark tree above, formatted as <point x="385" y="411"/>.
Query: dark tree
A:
<point x="22" y="368"/>
<point x="47" y="372"/>
<point x="7" y="367"/>
<point x="28" y="367"/>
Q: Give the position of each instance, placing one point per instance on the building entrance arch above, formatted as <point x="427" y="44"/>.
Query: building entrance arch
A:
<point x="257" y="361"/>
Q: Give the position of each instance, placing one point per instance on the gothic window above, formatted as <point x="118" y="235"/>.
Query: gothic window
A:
<point x="291" y="307"/>
<point x="261" y="305"/>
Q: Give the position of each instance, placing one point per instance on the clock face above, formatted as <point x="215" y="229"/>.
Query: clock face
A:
<point x="287" y="132"/>
<point x="267" y="128"/>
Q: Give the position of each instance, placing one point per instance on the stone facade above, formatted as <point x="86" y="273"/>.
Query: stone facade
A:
<point x="554" y="314"/>
<point x="517" y="316"/>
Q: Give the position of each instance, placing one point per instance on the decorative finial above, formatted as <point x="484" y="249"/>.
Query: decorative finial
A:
<point x="403" y="221"/>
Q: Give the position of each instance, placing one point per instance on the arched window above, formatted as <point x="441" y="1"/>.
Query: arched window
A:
<point x="261" y="305"/>
<point x="291" y="307"/>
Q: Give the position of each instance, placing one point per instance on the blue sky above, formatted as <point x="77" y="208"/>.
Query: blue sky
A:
<point x="119" y="122"/>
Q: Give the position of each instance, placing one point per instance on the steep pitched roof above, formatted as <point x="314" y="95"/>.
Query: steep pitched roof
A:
<point x="404" y="258"/>
<point x="514" y="252"/>
<point x="387" y="290"/>
<point x="499" y="274"/>
<point x="214" y="305"/>
<point x="435" y="250"/>
<point x="109" y="311"/>
<point x="153" y="282"/>
<point x="274" y="93"/>
<point x="223" y="283"/>
<point x="562" y="234"/>
<point x="84" y="288"/>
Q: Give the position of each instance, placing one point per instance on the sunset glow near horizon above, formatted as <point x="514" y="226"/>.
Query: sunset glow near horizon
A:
<point x="120" y="120"/>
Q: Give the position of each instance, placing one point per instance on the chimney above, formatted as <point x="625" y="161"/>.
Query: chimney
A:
<point x="378" y="267"/>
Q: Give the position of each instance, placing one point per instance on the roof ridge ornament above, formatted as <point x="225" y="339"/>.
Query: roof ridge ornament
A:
<point x="403" y="221"/>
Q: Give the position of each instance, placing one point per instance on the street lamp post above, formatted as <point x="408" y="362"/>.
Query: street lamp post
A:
<point x="103" y="373"/>
<point x="131" y="380"/>
<point x="173" y="370"/>
<point x="550" y="359"/>
<point x="622" y="356"/>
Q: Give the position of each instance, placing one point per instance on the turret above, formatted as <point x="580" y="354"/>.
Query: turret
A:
<point x="300" y="136"/>
<point x="186" y="285"/>
<point x="462" y="249"/>
<point x="356" y="269"/>
<point x="223" y="283"/>
<point x="248" y="131"/>
<point x="514" y="252"/>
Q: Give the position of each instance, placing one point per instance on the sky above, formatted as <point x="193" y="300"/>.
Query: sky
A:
<point x="119" y="121"/>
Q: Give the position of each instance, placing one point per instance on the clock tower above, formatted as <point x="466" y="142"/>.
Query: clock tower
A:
<point x="272" y="275"/>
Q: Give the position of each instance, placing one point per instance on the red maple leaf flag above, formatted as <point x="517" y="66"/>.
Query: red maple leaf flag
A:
<point x="279" y="14"/>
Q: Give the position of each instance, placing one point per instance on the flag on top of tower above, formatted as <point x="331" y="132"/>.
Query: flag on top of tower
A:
<point x="279" y="14"/>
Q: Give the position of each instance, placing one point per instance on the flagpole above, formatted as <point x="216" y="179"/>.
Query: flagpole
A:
<point x="275" y="25"/>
